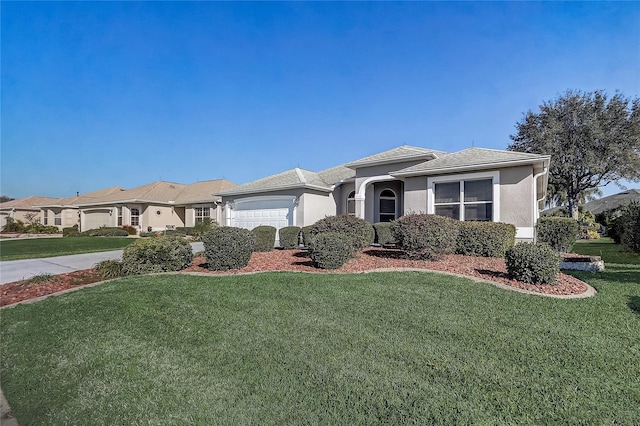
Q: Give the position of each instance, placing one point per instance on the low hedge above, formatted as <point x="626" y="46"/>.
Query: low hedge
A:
<point x="361" y="232"/>
<point x="485" y="239"/>
<point x="533" y="263"/>
<point x="228" y="247"/>
<point x="105" y="232"/>
<point x="426" y="236"/>
<point x="383" y="233"/>
<point x="289" y="237"/>
<point x="265" y="237"/>
<point x="71" y="231"/>
<point x="162" y="254"/>
<point x="305" y="232"/>
<point x="331" y="250"/>
<point x="559" y="232"/>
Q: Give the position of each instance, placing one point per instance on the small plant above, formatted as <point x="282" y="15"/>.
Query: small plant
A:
<point x="383" y="233"/>
<point x="108" y="269"/>
<point x="559" y="232"/>
<point x="130" y="229"/>
<point x="331" y="250"/>
<point x="203" y="226"/>
<point x="426" y="236"/>
<point x="265" y="237"/>
<point x="485" y="239"/>
<point x="534" y="263"/>
<point x="42" y="278"/>
<point x="162" y="254"/>
<point x="37" y="228"/>
<point x="71" y="231"/>
<point x="361" y="232"/>
<point x="13" y="225"/>
<point x="228" y="247"/>
<point x="289" y="237"/>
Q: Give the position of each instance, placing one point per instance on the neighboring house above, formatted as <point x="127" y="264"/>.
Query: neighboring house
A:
<point x="156" y="206"/>
<point x="23" y="209"/>
<point x="472" y="184"/>
<point x="605" y="203"/>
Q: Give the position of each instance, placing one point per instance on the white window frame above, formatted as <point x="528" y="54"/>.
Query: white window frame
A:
<point x="57" y="218"/>
<point x="131" y="216"/>
<point x="493" y="175"/>
<point x="351" y="200"/>
<point x="45" y="217"/>
<point x="119" y="216"/>
<point x="200" y="218"/>
<point x="395" y="204"/>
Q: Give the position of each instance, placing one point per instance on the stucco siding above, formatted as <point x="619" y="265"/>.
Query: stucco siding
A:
<point x="384" y="169"/>
<point x="158" y="217"/>
<point x="516" y="195"/>
<point x="96" y="218"/>
<point x="316" y="207"/>
<point x="415" y="195"/>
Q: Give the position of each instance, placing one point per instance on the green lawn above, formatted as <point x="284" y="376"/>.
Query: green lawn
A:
<point x="48" y="247"/>
<point x="287" y="348"/>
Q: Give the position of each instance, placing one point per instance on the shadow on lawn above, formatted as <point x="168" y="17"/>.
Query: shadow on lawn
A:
<point x="634" y="304"/>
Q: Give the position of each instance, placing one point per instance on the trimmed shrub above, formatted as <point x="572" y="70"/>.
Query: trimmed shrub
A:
<point x="533" y="263"/>
<point x="71" y="231"/>
<point x="289" y="237"/>
<point x="485" y="239"/>
<point x="426" y="236"/>
<point x="108" y="269"/>
<point x="162" y="254"/>
<point x="559" y="232"/>
<point x="331" y="250"/>
<point x="13" y="225"/>
<point x="130" y="230"/>
<point x="228" y="247"/>
<point x="202" y="227"/>
<point x="630" y="227"/>
<point x="37" y="228"/>
<point x="383" y="233"/>
<point x="105" y="232"/>
<point x="305" y="232"/>
<point x="265" y="237"/>
<point x="361" y="232"/>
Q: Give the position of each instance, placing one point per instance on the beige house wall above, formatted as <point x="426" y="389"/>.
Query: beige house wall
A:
<point x="159" y="217"/>
<point x="315" y="206"/>
<point x="516" y="186"/>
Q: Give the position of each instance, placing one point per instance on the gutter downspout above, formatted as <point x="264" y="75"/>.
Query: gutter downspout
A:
<point x="536" y="210"/>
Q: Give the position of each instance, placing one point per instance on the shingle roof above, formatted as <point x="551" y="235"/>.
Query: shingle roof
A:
<point x="202" y="192"/>
<point x="336" y="174"/>
<point x="477" y="158"/>
<point x="404" y="152"/>
<point x="27" y="203"/>
<point x="293" y="178"/>
<point x="83" y="198"/>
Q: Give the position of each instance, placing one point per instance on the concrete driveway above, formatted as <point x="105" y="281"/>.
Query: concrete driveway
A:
<point x="16" y="270"/>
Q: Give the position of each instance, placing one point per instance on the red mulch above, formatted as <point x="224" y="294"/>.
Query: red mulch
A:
<point x="490" y="269"/>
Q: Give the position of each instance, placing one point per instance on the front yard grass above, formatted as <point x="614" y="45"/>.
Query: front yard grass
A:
<point x="48" y="247"/>
<point x="293" y="348"/>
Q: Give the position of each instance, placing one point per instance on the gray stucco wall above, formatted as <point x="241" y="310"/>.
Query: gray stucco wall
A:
<point x="516" y="196"/>
<point x="415" y="195"/>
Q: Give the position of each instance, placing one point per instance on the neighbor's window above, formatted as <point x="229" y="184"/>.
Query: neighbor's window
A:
<point x="387" y="205"/>
<point x="202" y="213"/>
<point x="351" y="203"/>
<point x="465" y="200"/>
<point x="45" y="219"/>
<point x="135" y="217"/>
<point x="57" y="218"/>
<point x="119" y="216"/>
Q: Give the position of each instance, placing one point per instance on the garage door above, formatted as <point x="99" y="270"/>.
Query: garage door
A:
<point x="274" y="212"/>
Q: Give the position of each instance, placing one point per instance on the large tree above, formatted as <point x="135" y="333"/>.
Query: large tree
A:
<point x="593" y="140"/>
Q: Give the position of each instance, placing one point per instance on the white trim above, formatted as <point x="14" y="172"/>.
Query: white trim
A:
<point x="362" y="189"/>
<point x="494" y="175"/>
<point x="525" y="232"/>
<point x="289" y="198"/>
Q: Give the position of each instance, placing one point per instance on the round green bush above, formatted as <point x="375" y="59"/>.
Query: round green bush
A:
<point x="426" y="236"/>
<point x="106" y="232"/>
<point x="559" y="232"/>
<point x="228" y="247"/>
<point x="71" y="231"/>
<point x="305" y="233"/>
<point x="289" y="237"/>
<point x="331" y="250"/>
<point x="265" y="237"/>
<point x="533" y="263"/>
<point x="162" y="254"/>
<point x="361" y="232"/>
<point x="383" y="233"/>
<point x="485" y="239"/>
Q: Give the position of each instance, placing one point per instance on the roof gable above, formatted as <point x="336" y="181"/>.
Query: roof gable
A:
<point x="30" y="202"/>
<point x="203" y="191"/>
<point x="401" y="153"/>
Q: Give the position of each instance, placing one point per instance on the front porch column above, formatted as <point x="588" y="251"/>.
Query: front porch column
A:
<point x="360" y="206"/>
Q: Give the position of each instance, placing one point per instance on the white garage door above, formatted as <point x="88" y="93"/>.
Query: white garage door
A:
<point x="274" y="212"/>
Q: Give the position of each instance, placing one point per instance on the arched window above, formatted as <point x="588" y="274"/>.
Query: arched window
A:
<point x="387" y="205"/>
<point x="351" y="203"/>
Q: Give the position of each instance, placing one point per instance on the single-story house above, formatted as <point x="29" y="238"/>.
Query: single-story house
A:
<point x="472" y="184"/>
<point x="23" y="209"/>
<point x="155" y="206"/>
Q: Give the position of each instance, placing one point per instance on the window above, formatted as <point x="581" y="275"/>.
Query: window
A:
<point x="202" y="213"/>
<point x="46" y="217"/>
<point x="57" y="218"/>
<point x="119" y="216"/>
<point x="387" y="205"/>
<point x="351" y="203"/>
<point x="135" y="216"/>
<point x="465" y="200"/>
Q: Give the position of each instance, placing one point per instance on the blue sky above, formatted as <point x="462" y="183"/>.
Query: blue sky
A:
<point x="97" y="94"/>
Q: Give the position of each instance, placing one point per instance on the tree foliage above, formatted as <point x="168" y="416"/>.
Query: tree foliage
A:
<point x="593" y="140"/>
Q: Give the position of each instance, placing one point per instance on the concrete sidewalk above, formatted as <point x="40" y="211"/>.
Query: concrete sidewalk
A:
<point x="16" y="270"/>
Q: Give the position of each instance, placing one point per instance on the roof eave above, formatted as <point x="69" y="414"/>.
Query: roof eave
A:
<point x="357" y="164"/>
<point x="496" y="165"/>
<point x="273" y="189"/>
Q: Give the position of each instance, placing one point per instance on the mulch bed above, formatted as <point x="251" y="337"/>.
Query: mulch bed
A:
<point x="489" y="269"/>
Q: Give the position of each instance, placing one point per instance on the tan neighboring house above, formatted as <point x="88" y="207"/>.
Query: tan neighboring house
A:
<point x="156" y="206"/>
<point x="23" y="209"/>
<point x="472" y="184"/>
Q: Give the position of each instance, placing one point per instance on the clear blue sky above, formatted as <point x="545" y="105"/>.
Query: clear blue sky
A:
<point x="96" y="94"/>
